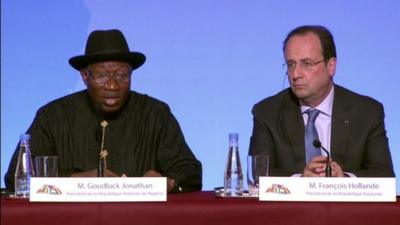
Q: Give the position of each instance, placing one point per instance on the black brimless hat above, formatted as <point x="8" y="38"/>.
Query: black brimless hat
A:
<point x="107" y="45"/>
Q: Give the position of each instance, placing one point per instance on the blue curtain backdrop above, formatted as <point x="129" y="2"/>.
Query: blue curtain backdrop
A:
<point x="210" y="60"/>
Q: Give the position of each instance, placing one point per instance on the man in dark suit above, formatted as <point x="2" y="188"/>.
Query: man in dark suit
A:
<point x="350" y="126"/>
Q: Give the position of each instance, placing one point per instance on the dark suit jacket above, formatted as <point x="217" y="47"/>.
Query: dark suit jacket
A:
<point x="358" y="142"/>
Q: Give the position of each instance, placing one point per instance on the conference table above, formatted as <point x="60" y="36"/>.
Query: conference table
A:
<point x="198" y="208"/>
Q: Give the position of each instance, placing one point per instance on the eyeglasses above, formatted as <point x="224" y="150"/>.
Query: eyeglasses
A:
<point x="306" y="64"/>
<point x="102" y="78"/>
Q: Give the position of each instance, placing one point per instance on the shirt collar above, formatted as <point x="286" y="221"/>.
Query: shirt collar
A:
<point x="325" y="106"/>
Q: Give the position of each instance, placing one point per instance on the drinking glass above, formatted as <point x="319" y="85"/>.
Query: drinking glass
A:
<point x="257" y="166"/>
<point x="46" y="166"/>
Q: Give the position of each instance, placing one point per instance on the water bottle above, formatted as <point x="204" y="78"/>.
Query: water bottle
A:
<point x="24" y="170"/>
<point x="233" y="177"/>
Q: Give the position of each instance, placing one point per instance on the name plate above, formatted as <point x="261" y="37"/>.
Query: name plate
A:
<point x="104" y="189"/>
<point x="327" y="189"/>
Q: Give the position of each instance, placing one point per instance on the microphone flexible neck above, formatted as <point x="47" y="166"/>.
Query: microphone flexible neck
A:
<point x="328" y="168"/>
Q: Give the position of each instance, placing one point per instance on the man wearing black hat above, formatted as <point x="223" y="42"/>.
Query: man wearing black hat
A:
<point x="109" y="130"/>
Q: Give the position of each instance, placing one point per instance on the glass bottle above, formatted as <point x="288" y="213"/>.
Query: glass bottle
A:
<point x="233" y="177"/>
<point x="24" y="170"/>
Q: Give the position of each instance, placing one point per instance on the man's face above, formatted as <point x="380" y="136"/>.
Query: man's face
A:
<point x="310" y="78"/>
<point x="108" y="84"/>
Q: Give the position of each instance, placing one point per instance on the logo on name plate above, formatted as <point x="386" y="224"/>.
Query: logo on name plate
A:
<point x="49" y="189"/>
<point x="278" y="189"/>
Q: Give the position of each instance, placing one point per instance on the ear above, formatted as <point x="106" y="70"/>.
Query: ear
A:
<point x="332" y="66"/>
<point x="85" y="76"/>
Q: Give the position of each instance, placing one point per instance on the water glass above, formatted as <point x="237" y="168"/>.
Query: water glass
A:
<point x="257" y="166"/>
<point x="46" y="166"/>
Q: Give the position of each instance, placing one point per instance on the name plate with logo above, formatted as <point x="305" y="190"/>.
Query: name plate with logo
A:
<point x="327" y="189"/>
<point x="104" y="189"/>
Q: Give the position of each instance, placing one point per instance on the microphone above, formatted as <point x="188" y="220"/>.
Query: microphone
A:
<point x="328" y="169"/>
<point x="103" y="152"/>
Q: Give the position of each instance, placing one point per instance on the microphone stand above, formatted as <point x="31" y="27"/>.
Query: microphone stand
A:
<point x="100" y="170"/>
<point x="328" y="168"/>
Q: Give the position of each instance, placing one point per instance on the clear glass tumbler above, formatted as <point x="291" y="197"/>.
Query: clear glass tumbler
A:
<point x="257" y="166"/>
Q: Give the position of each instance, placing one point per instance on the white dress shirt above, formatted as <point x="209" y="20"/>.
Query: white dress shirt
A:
<point x="323" y="122"/>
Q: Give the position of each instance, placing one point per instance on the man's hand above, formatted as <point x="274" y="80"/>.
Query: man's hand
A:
<point x="93" y="173"/>
<point x="170" y="182"/>
<point x="336" y="169"/>
<point x="316" y="168"/>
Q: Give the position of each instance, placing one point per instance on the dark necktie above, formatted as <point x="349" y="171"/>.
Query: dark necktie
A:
<point x="311" y="134"/>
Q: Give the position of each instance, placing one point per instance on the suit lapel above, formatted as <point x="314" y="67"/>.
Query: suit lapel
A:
<point x="294" y="126"/>
<point x="341" y="124"/>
